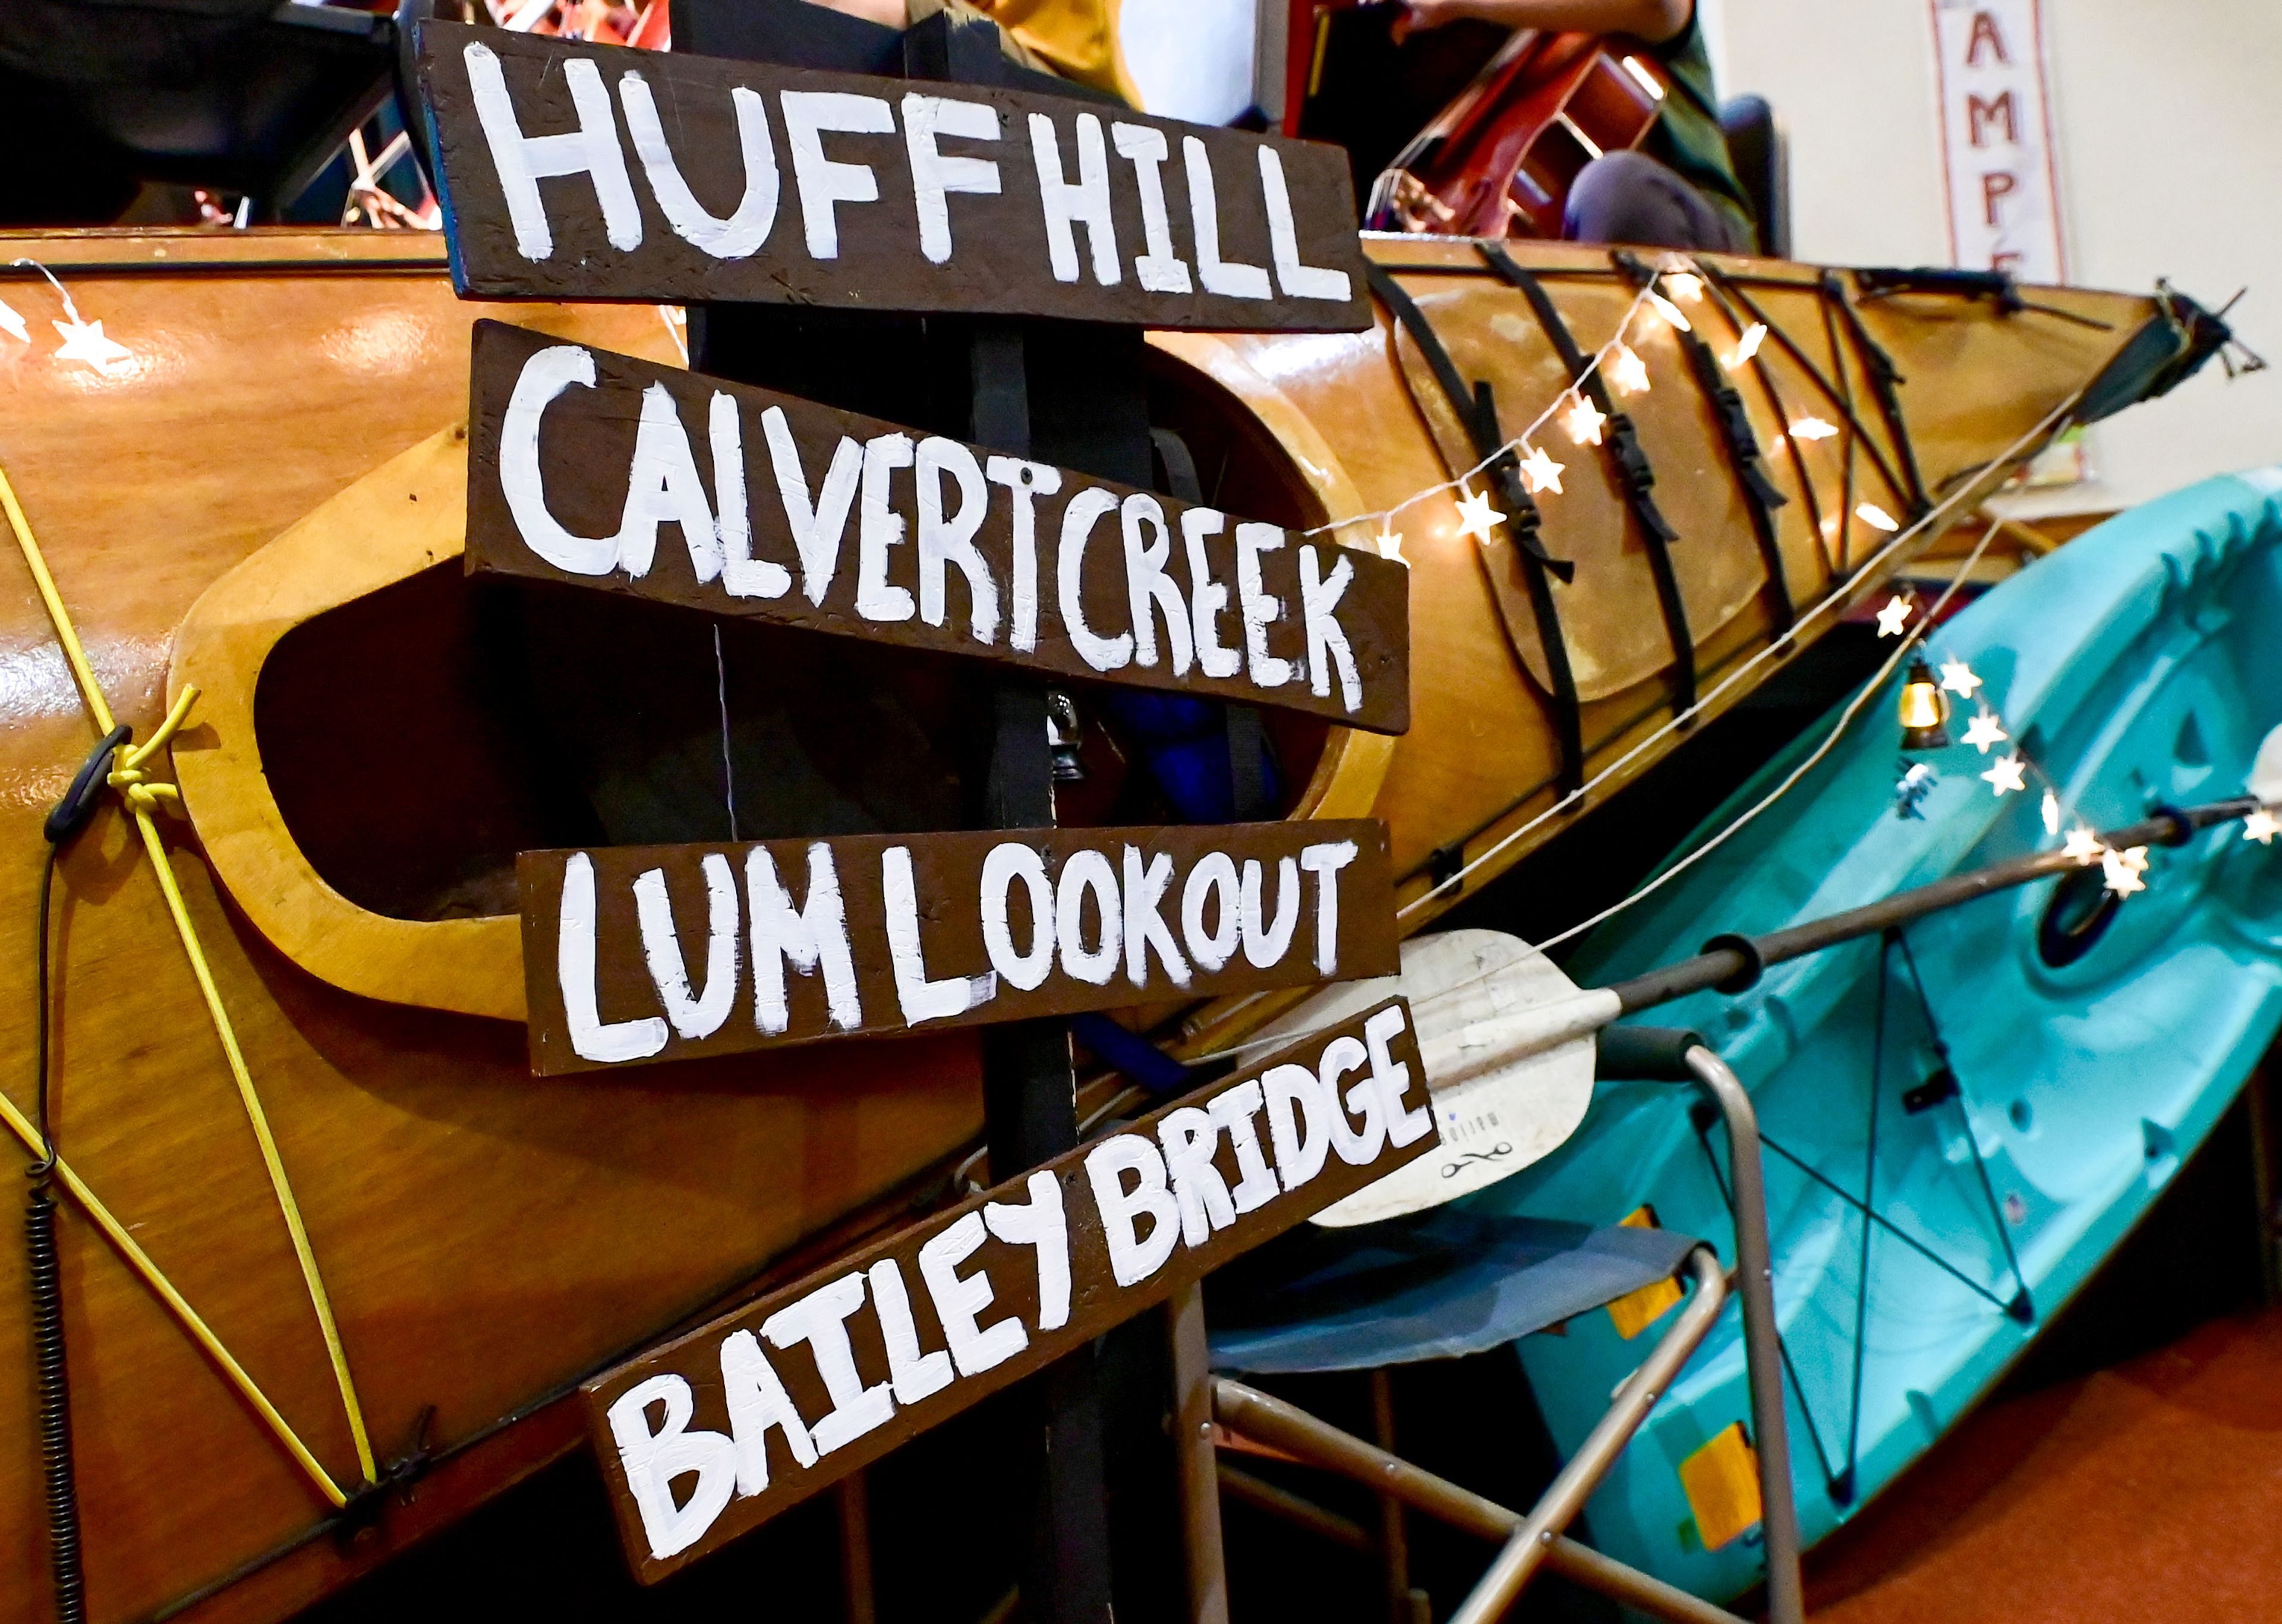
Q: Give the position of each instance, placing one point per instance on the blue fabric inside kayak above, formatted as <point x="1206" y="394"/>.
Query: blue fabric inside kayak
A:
<point x="1437" y="1285"/>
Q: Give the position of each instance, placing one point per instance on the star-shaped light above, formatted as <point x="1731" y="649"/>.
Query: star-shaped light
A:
<point x="2003" y="775"/>
<point x="1957" y="678"/>
<point x="1812" y="428"/>
<point x="1583" y="421"/>
<point x="86" y="341"/>
<point x="1893" y="618"/>
<point x="1669" y="311"/>
<point x="1985" y="730"/>
<point x="1542" y="472"/>
<point x="1628" y="371"/>
<point x="1747" y="346"/>
<point x="1476" y="518"/>
<point x="2082" y="846"/>
<point x="2260" y="827"/>
<point x="2052" y="811"/>
<point x="13" y="325"/>
<point x="1390" y="545"/>
<point x="1877" y="517"/>
<point x="2121" y="875"/>
<point x="1685" y="286"/>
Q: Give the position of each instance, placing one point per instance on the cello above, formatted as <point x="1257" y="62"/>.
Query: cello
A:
<point x="1499" y="160"/>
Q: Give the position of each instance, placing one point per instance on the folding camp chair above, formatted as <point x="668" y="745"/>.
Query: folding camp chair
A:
<point x="1452" y="1281"/>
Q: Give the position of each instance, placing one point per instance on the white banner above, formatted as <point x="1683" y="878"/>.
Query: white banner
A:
<point x="1997" y="140"/>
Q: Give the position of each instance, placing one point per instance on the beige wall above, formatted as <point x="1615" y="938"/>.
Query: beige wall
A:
<point x="2168" y="118"/>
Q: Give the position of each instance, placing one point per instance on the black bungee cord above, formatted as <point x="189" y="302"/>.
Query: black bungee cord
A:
<point x="44" y="1273"/>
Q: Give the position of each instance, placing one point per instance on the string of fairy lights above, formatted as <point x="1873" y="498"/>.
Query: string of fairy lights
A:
<point x="1622" y="368"/>
<point x="84" y="341"/>
<point x="1674" y="281"/>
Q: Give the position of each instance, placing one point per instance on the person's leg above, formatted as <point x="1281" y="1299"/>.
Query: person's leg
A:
<point x="1630" y="197"/>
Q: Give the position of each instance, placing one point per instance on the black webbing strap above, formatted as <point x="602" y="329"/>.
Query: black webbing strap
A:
<point x="1476" y="410"/>
<point x="1760" y="496"/>
<point x="1883" y="375"/>
<point x="1620" y="440"/>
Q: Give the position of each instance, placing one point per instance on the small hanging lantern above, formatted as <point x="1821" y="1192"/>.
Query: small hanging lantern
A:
<point x="1923" y="709"/>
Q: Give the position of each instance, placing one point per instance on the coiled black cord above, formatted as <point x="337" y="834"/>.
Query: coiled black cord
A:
<point x="42" y="1254"/>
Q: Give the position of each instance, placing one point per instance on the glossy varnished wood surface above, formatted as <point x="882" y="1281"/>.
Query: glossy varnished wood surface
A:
<point x="488" y="1237"/>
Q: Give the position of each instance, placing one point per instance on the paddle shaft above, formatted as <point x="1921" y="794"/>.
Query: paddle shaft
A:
<point x="1735" y="964"/>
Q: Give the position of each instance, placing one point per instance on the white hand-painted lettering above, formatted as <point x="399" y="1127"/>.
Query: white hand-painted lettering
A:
<point x="591" y="1037"/>
<point x="1261" y="610"/>
<point x="935" y="176"/>
<point x="817" y="526"/>
<point x="1039" y="1225"/>
<point x="1133" y="1257"/>
<point x="1025" y="483"/>
<point x="1150" y="591"/>
<point x="1085" y="510"/>
<point x="812" y="939"/>
<point x="1213" y="879"/>
<point x="1298" y="281"/>
<point x="741" y="233"/>
<point x="1160" y="269"/>
<point x="697" y="1017"/>
<point x="1230" y="279"/>
<point x="1327" y="639"/>
<point x="879" y="527"/>
<point x="921" y="998"/>
<point x="1190" y="1138"/>
<point x="521" y="161"/>
<point x="823" y="183"/>
<point x="1084" y="201"/>
<point x="652" y="1461"/>
<point x="1324" y="861"/>
<point x="757" y="1401"/>
<point x="950" y="541"/>
<point x="1001" y="868"/>
<point x="820" y="1319"/>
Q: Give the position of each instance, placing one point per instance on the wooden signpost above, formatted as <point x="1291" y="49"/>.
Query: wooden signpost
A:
<point x="973" y="249"/>
<point x="723" y="1428"/>
<point x="575" y="171"/>
<point x="609" y="472"/>
<point x="640" y="953"/>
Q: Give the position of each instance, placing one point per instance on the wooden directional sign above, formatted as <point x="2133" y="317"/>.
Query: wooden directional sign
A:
<point x="722" y="1429"/>
<point x="577" y="171"/>
<point x="637" y="953"/>
<point x="614" y="473"/>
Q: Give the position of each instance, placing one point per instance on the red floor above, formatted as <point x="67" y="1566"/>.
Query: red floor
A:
<point x="2150" y="1491"/>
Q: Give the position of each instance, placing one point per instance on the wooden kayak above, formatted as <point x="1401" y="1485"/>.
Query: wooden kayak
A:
<point x="263" y="500"/>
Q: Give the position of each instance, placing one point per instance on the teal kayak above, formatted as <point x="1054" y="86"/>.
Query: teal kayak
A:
<point x="2006" y="1087"/>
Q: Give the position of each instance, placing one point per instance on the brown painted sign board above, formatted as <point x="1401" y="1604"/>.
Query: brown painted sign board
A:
<point x="722" y="1429"/>
<point x="573" y="171"/>
<point x="640" y="953"/>
<point x="605" y="471"/>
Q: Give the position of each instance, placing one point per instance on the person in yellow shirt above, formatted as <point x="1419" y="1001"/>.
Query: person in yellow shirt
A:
<point x="1071" y="39"/>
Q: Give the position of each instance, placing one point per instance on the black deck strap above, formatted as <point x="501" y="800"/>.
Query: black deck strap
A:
<point x="1884" y="377"/>
<point x="1760" y="496"/>
<point x="1834" y="394"/>
<point x="1722" y="294"/>
<point x="1477" y="411"/>
<point x="1996" y="286"/>
<point x="1634" y="477"/>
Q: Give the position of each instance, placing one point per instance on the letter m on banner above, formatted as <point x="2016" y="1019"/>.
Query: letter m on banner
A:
<point x="1999" y="169"/>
